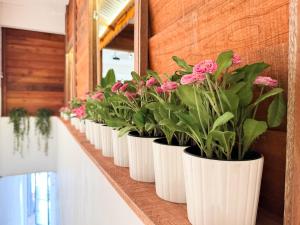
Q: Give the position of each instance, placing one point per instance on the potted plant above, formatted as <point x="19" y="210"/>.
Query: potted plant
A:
<point x="142" y="129"/>
<point x="167" y="151"/>
<point x="75" y="104"/>
<point x="221" y="118"/>
<point x="65" y="113"/>
<point x="21" y="126"/>
<point x="43" y="127"/>
<point x="120" y="118"/>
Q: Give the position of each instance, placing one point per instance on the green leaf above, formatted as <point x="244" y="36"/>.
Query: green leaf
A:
<point x="253" y="70"/>
<point x="135" y="76"/>
<point x="155" y="75"/>
<point x="223" y="119"/>
<point x="181" y="63"/>
<point x="269" y="94"/>
<point x="224" y="61"/>
<point x="246" y="95"/>
<point x="225" y="140"/>
<point x="276" y="111"/>
<point x="252" y="130"/>
<point x="110" y="78"/>
<point x="139" y="118"/>
<point x="125" y="130"/>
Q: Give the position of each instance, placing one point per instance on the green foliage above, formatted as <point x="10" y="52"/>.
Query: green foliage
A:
<point x="43" y="127"/>
<point x="20" y="120"/>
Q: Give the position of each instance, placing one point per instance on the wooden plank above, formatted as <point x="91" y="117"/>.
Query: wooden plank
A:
<point x="141" y="34"/>
<point x="34" y="70"/>
<point x="292" y="198"/>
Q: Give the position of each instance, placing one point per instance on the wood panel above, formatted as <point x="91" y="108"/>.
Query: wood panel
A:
<point x="124" y="40"/>
<point x="257" y="30"/>
<point x="34" y="68"/>
<point x="84" y="50"/>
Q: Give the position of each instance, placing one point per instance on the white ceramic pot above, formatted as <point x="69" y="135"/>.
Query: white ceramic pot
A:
<point x="96" y="135"/>
<point x="87" y="129"/>
<point x="141" y="167"/>
<point x="221" y="192"/>
<point x="66" y="116"/>
<point x="106" y="141"/>
<point x="168" y="167"/>
<point x="82" y="126"/>
<point x="120" y="149"/>
<point x="77" y="123"/>
<point x="72" y="120"/>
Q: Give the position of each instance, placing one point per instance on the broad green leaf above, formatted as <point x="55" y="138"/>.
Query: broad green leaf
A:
<point x="252" y="129"/>
<point x="253" y="70"/>
<point x="223" y="119"/>
<point x="110" y="78"/>
<point x="180" y="62"/>
<point x="237" y="87"/>
<point x="139" y="119"/>
<point x="246" y="95"/>
<point x="269" y="94"/>
<point x="116" y="122"/>
<point x="224" y="61"/>
<point x="276" y="111"/>
<point x="224" y="139"/>
<point x="125" y="130"/>
<point x="230" y="101"/>
<point x="135" y="76"/>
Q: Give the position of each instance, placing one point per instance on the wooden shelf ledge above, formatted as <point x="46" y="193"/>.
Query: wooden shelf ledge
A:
<point x="141" y="197"/>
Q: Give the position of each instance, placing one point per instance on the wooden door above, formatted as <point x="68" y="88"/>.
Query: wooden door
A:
<point x="33" y="69"/>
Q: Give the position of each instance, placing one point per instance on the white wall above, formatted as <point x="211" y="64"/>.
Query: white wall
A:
<point x="36" y="15"/>
<point x="34" y="159"/>
<point x="86" y="196"/>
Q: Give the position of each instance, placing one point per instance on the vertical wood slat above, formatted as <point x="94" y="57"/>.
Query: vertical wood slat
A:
<point x="292" y="186"/>
<point x="141" y="33"/>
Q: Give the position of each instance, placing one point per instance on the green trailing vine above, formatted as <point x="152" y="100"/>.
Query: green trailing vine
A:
<point x="20" y="120"/>
<point x="43" y="127"/>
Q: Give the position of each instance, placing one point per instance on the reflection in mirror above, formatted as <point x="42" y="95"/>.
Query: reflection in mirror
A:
<point x="119" y="54"/>
<point x="116" y="35"/>
<point x="28" y="199"/>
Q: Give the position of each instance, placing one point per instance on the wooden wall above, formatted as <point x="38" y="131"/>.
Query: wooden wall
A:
<point x="34" y="68"/>
<point x="79" y="36"/>
<point x="257" y="30"/>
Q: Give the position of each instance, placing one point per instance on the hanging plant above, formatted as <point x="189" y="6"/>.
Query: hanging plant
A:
<point x="20" y="120"/>
<point x="43" y="127"/>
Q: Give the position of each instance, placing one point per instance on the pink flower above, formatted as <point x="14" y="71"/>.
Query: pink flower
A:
<point x="98" y="96"/>
<point x="169" y="86"/>
<point x="80" y="111"/>
<point x="236" y="59"/>
<point x="124" y="87"/>
<point x="116" y="86"/>
<point x="266" y="81"/>
<point x="130" y="95"/>
<point x="151" y="82"/>
<point x="206" y="66"/>
<point x="192" y="78"/>
<point x="159" y="90"/>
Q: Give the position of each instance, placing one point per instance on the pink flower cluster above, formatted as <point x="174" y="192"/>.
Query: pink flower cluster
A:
<point x="79" y="112"/>
<point x="236" y="59"/>
<point x="98" y="96"/>
<point x="150" y="82"/>
<point x="118" y="86"/>
<point x="199" y="72"/>
<point x="266" y="81"/>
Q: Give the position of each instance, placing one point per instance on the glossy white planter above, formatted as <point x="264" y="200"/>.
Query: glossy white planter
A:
<point x="96" y="135"/>
<point x="66" y="116"/>
<point x="168" y="167"/>
<point x="141" y="167"/>
<point x="222" y="192"/>
<point x="106" y="141"/>
<point x="120" y="149"/>
<point x="75" y="122"/>
<point x="82" y="126"/>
